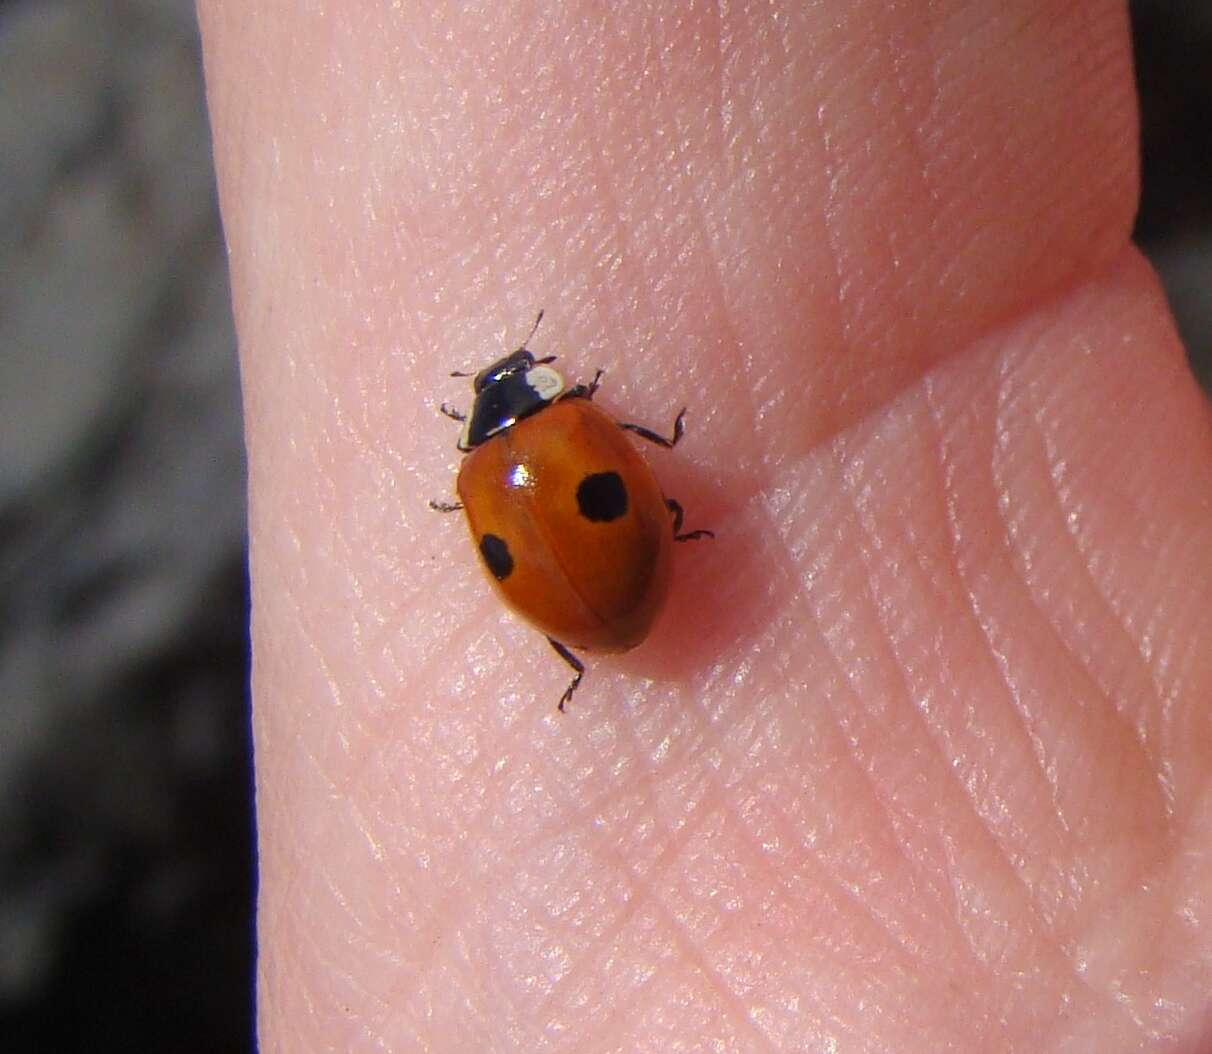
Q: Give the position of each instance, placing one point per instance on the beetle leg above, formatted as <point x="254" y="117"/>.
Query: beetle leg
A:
<point x="452" y="413"/>
<point x="678" y="429"/>
<point x="575" y="663"/>
<point x="689" y="536"/>
<point x="446" y="506"/>
<point x="585" y="391"/>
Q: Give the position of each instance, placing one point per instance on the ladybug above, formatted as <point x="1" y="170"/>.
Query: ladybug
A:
<point x="568" y="518"/>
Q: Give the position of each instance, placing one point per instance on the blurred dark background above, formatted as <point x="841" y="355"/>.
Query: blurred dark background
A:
<point x="126" y="851"/>
<point x="126" y="877"/>
<point x="1173" y="40"/>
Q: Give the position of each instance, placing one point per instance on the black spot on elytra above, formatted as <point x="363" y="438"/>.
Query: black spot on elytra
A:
<point x="601" y="497"/>
<point x="496" y="556"/>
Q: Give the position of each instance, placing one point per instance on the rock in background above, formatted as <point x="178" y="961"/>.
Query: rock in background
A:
<point x="125" y="792"/>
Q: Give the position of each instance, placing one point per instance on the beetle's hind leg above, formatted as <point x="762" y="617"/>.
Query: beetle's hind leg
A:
<point x="446" y="506"/>
<point x="575" y="663"/>
<point x="678" y="514"/>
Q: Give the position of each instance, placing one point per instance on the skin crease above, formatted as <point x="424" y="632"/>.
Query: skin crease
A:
<point x="917" y="758"/>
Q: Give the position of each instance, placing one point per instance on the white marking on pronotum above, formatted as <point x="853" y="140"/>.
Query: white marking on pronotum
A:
<point x="548" y="383"/>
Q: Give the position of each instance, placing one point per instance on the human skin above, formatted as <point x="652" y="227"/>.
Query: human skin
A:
<point x="918" y="757"/>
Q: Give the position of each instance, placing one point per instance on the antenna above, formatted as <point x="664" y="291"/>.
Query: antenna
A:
<point x="533" y="330"/>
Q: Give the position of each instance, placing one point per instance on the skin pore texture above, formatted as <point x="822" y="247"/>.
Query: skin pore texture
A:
<point x="917" y="758"/>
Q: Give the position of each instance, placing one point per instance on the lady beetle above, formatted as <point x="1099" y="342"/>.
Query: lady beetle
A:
<point x="569" y="520"/>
